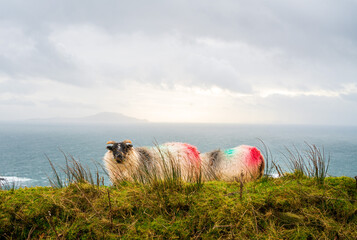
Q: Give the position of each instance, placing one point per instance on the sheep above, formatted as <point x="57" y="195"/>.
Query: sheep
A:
<point x="244" y="163"/>
<point x="124" y="162"/>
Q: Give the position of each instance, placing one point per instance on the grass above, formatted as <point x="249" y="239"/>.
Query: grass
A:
<point x="5" y="185"/>
<point x="299" y="205"/>
<point x="74" y="172"/>
<point x="312" y="162"/>
<point x="282" y="208"/>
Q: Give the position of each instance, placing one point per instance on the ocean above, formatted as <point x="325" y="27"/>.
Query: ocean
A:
<point x="24" y="148"/>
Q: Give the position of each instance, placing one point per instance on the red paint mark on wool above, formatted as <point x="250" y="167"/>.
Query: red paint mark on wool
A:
<point x="255" y="156"/>
<point x="193" y="154"/>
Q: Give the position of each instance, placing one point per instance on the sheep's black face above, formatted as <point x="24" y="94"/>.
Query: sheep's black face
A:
<point x="120" y="150"/>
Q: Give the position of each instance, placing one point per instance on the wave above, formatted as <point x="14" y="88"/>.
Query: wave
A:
<point x="14" y="179"/>
<point x="273" y="175"/>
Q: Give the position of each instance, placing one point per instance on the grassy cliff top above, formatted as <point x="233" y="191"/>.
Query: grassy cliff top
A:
<point x="290" y="207"/>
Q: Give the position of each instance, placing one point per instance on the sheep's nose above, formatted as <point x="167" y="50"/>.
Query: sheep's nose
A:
<point x="118" y="157"/>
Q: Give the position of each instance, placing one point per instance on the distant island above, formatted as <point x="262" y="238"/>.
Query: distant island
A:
<point x="99" y="118"/>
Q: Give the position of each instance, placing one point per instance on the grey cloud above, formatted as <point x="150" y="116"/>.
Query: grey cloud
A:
<point x="311" y="109"/>
<point x="16" y="86"/>
<point x="215" y="72"/>
<point x="350" y="97"/>
<point x="273" y="23"/>
<point x="317" y="40"/>
<point x="57" y="103"/>
<point x="16" y="101"/>
<point x="40" y="59"/>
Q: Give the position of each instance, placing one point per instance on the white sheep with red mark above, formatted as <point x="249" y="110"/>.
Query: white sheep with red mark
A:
<point x="124" y="162"/>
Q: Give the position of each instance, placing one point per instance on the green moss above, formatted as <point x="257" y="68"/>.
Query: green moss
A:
<point x="292" y="207"/>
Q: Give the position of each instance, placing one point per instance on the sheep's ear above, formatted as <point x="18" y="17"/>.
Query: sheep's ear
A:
<point x="110" y="148"/>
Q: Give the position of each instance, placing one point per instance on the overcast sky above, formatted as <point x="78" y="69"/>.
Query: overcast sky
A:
<point x="181" y="61"/>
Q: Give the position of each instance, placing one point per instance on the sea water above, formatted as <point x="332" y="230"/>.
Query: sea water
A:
<point x="26" y="148"/>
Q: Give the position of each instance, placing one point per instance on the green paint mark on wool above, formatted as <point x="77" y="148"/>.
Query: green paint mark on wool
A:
<point x="229" y="152"/>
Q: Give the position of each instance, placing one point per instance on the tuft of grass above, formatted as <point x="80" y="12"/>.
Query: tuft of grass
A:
<point x="318" y="163"/>
<point x="74" y="172"/>
<point x="8" y="186"/>
<point x="313" y="162"/>
<point x="296" y="162"/>
<point x="270" y="162"/>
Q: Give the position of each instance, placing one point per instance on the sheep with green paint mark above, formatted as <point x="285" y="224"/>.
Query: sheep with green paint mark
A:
<point x="244" y="163"/>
